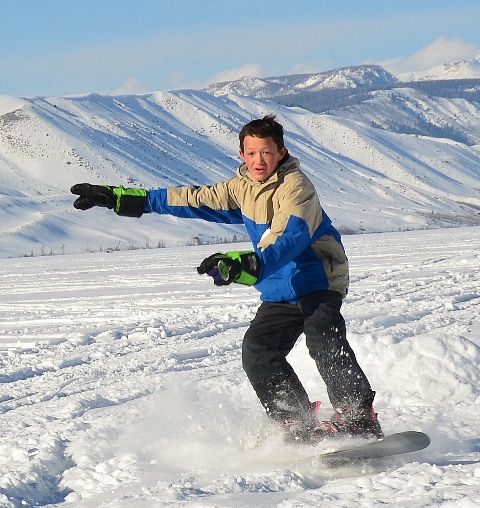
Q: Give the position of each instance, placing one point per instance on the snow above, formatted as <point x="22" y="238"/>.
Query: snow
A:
<point x="343" y="78"/>
<point x="462" y="69"/>
<point x="121" y="381"/>
<point x="120" y="367"/>
<point x="389" y="160"/>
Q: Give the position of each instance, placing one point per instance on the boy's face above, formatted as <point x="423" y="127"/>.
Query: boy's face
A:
<point x="261" y="155"/>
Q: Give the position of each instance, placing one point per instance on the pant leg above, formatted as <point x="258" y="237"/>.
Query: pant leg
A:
<point x="271" y="336"/>
<point x="346" y="383"/>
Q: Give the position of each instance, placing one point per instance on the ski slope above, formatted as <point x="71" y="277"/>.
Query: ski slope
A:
<point x="121" y="381"/>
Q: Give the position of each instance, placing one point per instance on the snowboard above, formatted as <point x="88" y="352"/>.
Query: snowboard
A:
<point x="393" y="444"/>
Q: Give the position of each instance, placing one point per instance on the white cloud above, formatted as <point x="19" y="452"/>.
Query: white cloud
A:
<point x="441" y="51"/>
<point x="130" y="86"/>
<point x="313" y="67"/>
<point x="233" y="74"/>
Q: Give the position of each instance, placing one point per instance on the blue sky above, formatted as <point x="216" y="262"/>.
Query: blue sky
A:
<point x="65" y="47"/>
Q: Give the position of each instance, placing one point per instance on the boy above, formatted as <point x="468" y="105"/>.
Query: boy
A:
<point x="299" y="266"/>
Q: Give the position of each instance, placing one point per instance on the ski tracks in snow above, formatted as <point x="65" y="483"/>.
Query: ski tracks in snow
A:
<point x="80" y="335"/>
<point x="121" y="380"/>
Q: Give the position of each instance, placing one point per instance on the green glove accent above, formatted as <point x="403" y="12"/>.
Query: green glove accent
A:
<point x="130" y="202"/>
<point x="249" y="266"/>
<point x="125" y="202"/>
<point x="242" y="267"/>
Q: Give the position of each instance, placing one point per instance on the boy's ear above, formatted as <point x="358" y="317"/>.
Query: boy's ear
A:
<point x="241" y="155"/>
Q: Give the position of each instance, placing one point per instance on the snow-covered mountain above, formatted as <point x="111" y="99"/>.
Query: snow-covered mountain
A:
<point x="462" y="69"/>
<point x="361" y="76"/>
<point x="384" y="157"/>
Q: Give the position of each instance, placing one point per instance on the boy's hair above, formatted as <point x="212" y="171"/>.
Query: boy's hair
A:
<point x="266" y="127"/>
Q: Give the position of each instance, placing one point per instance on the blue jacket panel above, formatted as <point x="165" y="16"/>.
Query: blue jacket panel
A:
<point x="300" y="251"/>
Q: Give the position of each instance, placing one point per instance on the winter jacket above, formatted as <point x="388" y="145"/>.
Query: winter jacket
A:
<point x="300" y="251"/>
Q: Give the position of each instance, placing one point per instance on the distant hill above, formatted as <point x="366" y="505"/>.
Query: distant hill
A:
<point x="463" y="69"/>
<point x="348" y="78"/>
<point x="384" y="155"/>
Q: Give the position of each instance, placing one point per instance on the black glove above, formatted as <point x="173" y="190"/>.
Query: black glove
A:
<point x="126" y="202"/>
<point x="242" y="267"/>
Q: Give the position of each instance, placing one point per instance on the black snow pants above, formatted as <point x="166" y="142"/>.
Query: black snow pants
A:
<point x="271" y="336"/>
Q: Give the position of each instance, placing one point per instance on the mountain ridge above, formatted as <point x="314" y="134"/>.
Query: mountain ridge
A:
<point x="378" y="162"/>
<point x="359" y="76"/>
<point x="365" y="76"/>
<point x="460" y="69"/>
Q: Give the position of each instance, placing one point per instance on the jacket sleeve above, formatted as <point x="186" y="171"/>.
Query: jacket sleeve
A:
<point x="297" y="222"/>
<point x="213" y="203"/>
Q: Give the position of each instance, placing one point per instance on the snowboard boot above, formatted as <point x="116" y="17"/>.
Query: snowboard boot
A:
<point x="357" y="422"/>
<point x="350" y="422"/>
<point x="309" y="430"/>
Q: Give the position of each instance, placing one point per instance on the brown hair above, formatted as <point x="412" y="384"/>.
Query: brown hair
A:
<point x="266" y="127"/>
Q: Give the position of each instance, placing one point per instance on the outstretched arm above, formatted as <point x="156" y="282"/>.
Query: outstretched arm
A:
<point x="212" y="203"/>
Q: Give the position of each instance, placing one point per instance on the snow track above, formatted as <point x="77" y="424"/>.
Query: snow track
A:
<point x="121" y="380"/>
